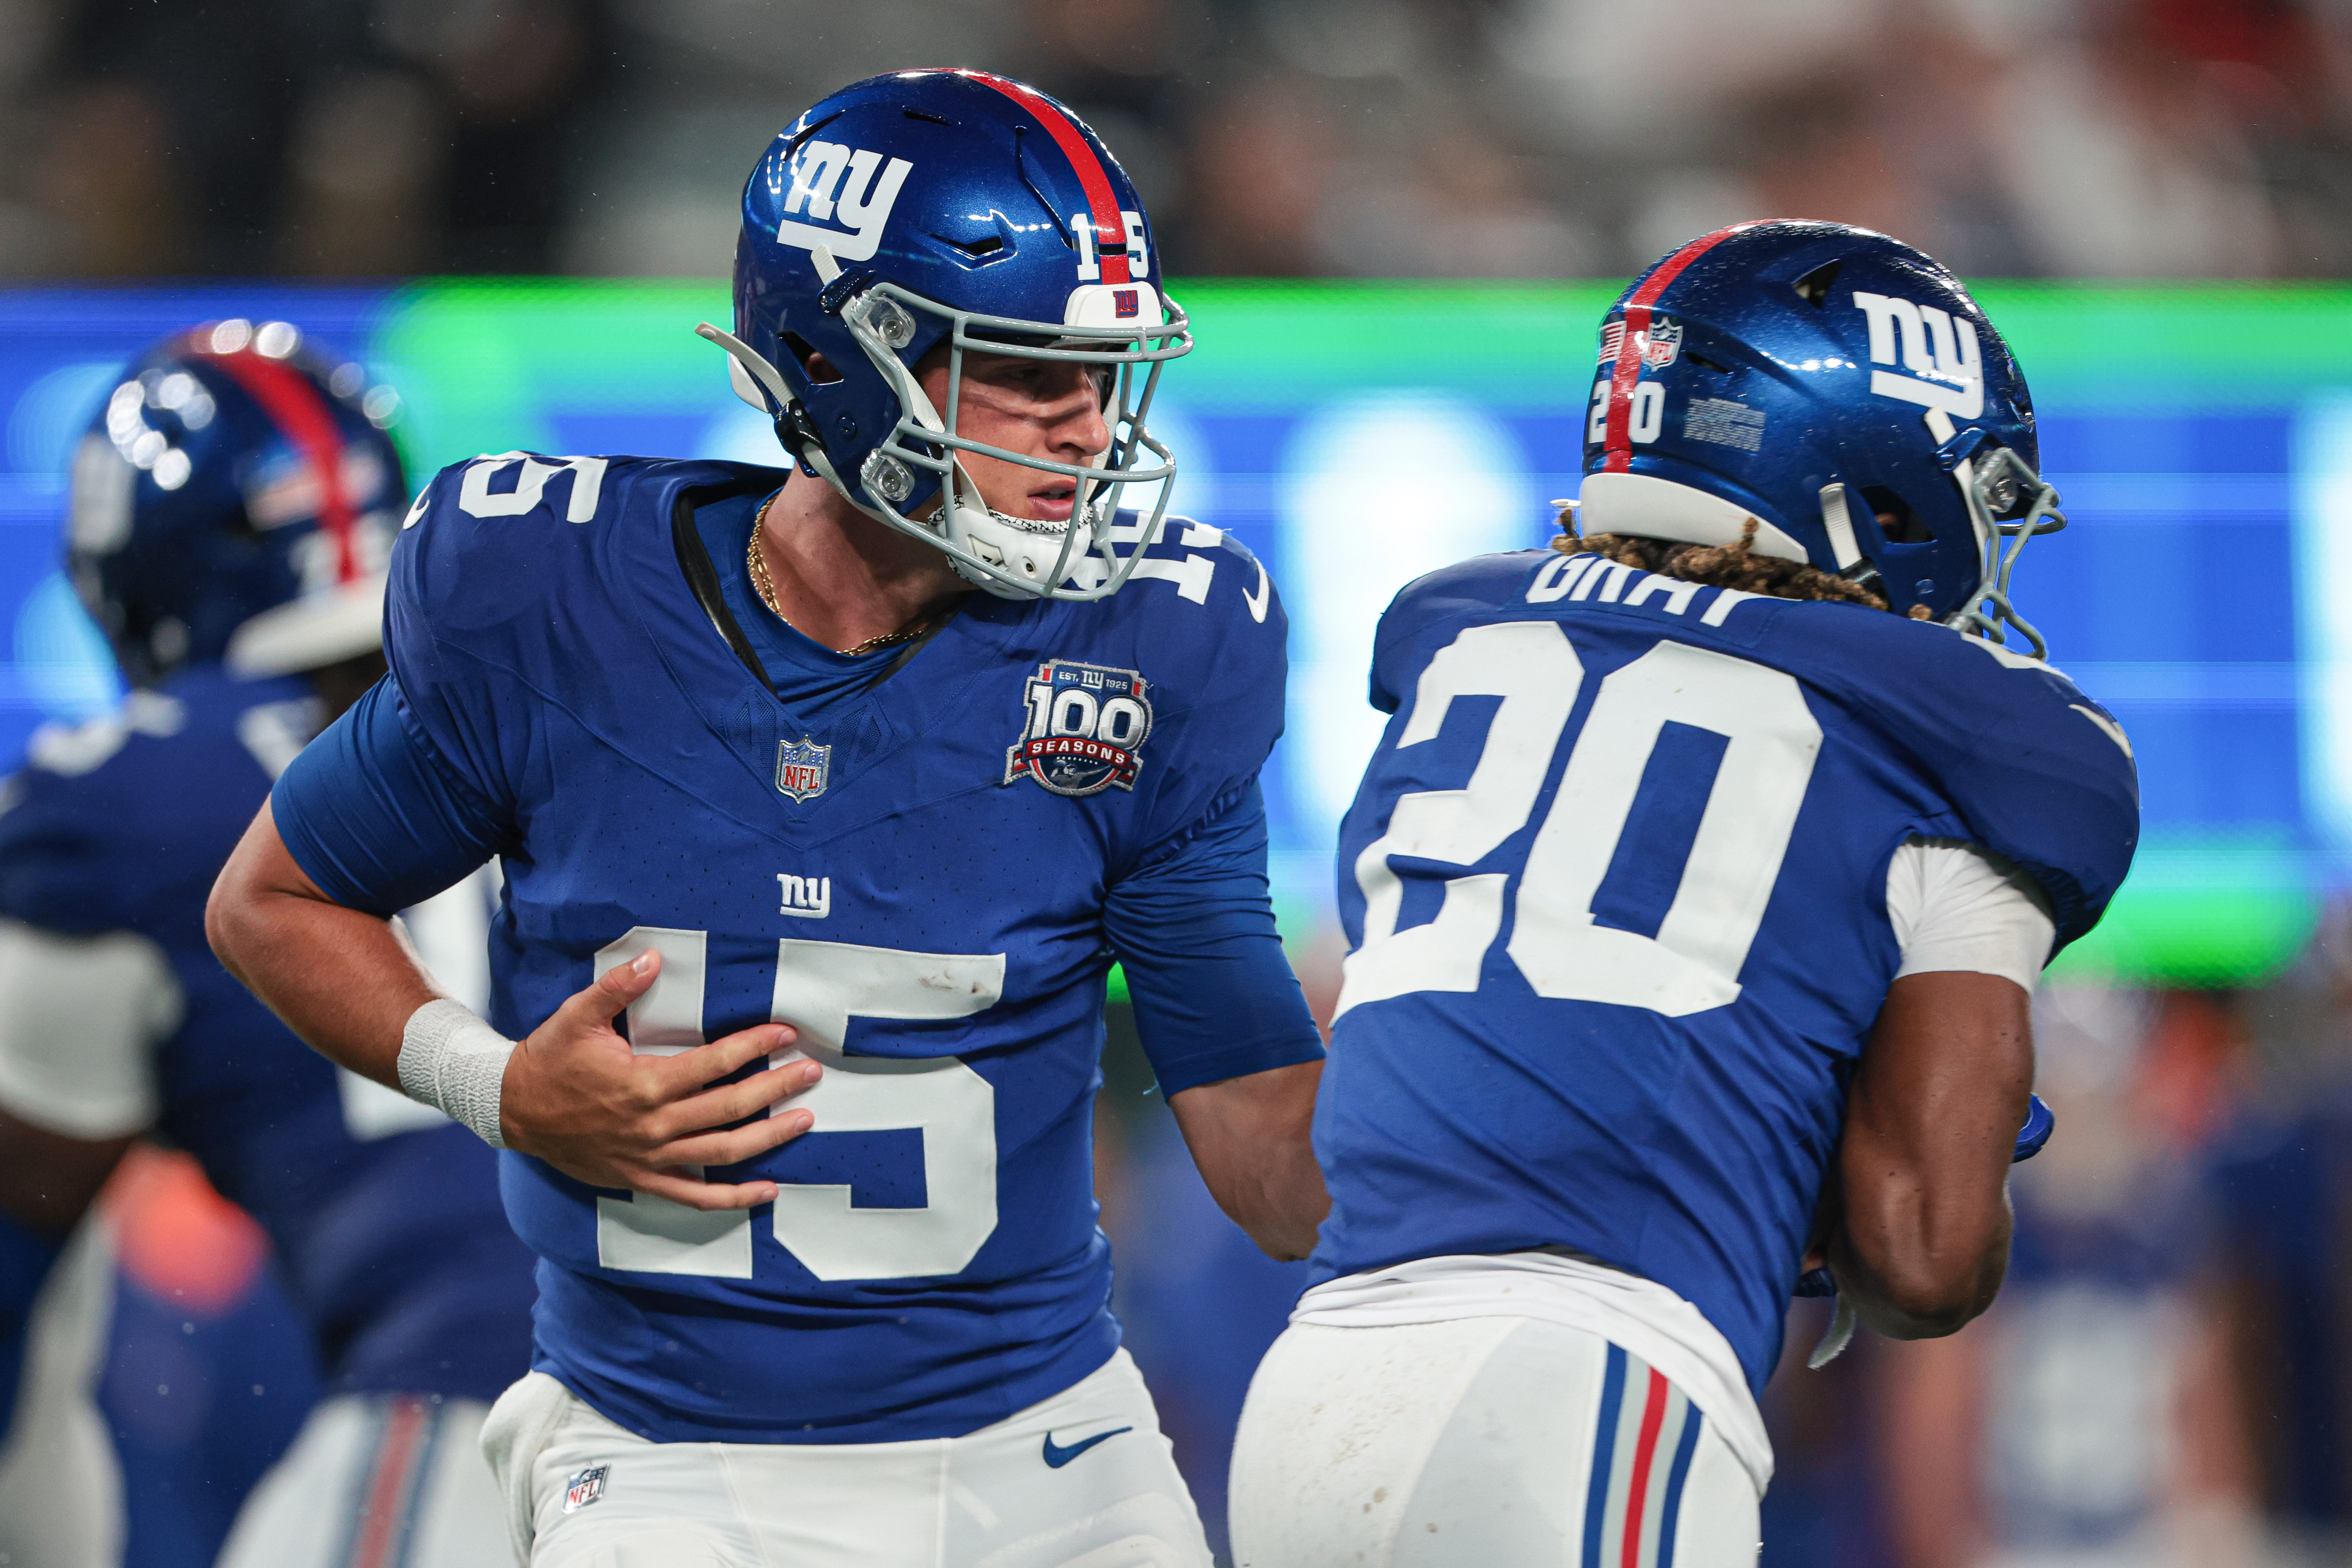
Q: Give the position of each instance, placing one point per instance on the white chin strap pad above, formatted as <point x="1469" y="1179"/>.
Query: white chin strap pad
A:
<point x="1016" y="551"/>
<point x="1652" y="508"/>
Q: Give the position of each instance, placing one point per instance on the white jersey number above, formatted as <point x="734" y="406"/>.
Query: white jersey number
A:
<point x="820" y="986"/>
<point x="1693" y="963"/>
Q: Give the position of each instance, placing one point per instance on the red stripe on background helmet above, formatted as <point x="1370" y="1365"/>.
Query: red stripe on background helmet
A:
<point x="307" y="420"/>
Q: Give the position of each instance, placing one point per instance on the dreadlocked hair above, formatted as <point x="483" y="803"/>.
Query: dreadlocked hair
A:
<point x="1717" y="565"/>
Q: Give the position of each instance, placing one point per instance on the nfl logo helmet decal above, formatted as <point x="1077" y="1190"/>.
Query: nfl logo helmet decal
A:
<point x="1661" y="342"/>
<point x="802" y="768"/>
<point x="585" y="1487"/>
<point x="1084" y="729"/>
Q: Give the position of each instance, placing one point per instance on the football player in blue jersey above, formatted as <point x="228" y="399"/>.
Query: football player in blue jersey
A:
<point x="841" y="787"/>
<point x="232" y="511"/>
<point x="1696" y="903"/>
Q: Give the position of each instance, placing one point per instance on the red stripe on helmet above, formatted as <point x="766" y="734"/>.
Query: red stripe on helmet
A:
<point x="305" y="418"/>
<point x="1632" y="345"/>
<point x="1093" y="178"/>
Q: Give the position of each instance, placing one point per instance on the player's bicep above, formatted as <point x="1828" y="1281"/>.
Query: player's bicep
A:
<point x="376" y="817"/>
<point x="81" y="1019"/>
<point x="1214" y="996"/>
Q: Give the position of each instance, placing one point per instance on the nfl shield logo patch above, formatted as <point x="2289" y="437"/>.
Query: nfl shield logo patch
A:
<point x="585" y="1487"/>
<point x="1085" y="729"/>
<point x="801" y="768"/>
<point x="1663" y="344"/>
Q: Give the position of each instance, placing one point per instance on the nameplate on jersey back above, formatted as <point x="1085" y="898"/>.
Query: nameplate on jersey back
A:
<point x="802" y="768"/>
<point x="1083" y="728"/>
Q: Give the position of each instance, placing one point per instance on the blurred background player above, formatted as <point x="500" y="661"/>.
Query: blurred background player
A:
<point x="232" y="513"/>
<point x="864" y="773"/>
<point x="1739" y="971"/>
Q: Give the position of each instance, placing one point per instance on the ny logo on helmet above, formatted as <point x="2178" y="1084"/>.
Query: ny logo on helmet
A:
<point x="861" y="203"/>
<point x="1936" y="344"/>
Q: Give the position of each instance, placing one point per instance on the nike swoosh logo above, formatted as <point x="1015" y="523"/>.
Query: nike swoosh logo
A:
<point x="1056" y="1455"/>
<point x="1256" y="601"/>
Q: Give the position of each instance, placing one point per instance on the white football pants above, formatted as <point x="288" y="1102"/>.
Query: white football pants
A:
<point x="1479" y="1443"/>
<point x="1081" y="1481"/>
<point x="60" y="1487"/>
<point x="375" y="1480"/>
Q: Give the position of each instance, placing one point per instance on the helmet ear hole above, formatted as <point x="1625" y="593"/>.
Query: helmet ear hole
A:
<point x="821" y="371"/>
<point x="1898" y="519"/>
<point x="1813" y="288"/>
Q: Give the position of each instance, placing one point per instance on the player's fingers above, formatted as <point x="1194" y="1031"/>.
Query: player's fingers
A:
<point x="688" y="1071"/>
<point x="737" y="1144"/>
<point x="610" y="992"/>
<point x="708" y="1196"/>
<point x="734" y="1101"/>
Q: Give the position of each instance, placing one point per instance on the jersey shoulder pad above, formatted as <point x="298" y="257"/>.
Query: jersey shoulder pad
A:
<point x="107" y="815"/>
<point x="1479" y="585"/>
<point x="1481" y="582"/>
<point x="1202" y="610"/>
<point x="2041" y="774"/>
<point x="508" y="555"/>
<point x="514" y="528"/>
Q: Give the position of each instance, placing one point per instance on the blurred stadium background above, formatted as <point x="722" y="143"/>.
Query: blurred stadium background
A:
<point x="513" y="216"/>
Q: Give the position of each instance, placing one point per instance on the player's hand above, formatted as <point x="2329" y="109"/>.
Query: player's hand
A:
<point x="577" y="1097"/>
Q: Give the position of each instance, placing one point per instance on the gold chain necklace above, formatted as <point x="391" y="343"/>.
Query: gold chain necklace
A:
<point x="758" y="560"/>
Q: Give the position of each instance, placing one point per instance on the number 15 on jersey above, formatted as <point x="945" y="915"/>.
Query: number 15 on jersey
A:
<point x="820" y="986"/>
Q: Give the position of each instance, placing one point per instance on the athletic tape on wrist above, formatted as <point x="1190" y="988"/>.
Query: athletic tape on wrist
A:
<point x="452" y="1061"/>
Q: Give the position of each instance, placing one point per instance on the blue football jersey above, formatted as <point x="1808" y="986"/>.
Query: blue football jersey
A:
<point x="1615" y="887"/>
<point x="916" y="881"/>
<point x="391" y="1244"/>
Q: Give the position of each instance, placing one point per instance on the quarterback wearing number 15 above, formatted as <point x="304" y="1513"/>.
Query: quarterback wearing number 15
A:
<point x="825" y="796"/>
<point x="1699" y="887"/>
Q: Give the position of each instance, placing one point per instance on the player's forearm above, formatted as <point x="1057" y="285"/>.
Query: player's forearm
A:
<point x="341" y="978"/>
<point x="1249" y="1136"/>
<point x="1921" y="1242"/>
<point x="1910" y="1279"/>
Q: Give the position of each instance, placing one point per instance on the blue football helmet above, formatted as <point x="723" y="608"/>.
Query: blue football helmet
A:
<point x="1818" y="378"/>
<point x="953" y="206"/>
<point x="234" y="500"/>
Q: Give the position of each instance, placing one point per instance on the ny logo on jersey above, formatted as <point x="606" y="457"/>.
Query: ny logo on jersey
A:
<point x="860" y="202"/>
<point x="1085" y="726"/>
<point x="804" y="898"/>
<point x="1661" y="342"/>
<point x="802" y="768"/>
<point x="1936" y="344"/>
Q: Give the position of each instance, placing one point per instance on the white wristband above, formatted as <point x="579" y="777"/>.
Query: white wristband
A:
<point x="452" y="1061"/>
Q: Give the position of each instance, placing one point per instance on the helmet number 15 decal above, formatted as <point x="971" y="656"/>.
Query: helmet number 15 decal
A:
<point x="1693" y="962"/>
<point x="820" y="986"/>
<point x="1091" y="263"/>
<point x="1649" y="413"/>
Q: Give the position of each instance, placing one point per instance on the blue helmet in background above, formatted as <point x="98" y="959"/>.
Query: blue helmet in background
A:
<point x="1838" y="387"/>
<point x="233" y="500"/>
<point x="952" y="207"/>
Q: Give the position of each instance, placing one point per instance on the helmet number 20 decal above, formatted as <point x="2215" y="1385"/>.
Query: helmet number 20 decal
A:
<point x="1649" y="412"/>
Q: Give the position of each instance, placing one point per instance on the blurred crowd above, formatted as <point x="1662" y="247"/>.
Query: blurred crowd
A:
<point x="1283" y="138"/>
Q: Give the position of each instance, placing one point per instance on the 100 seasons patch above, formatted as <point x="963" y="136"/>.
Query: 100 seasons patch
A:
<point x="1083" y="728"/>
